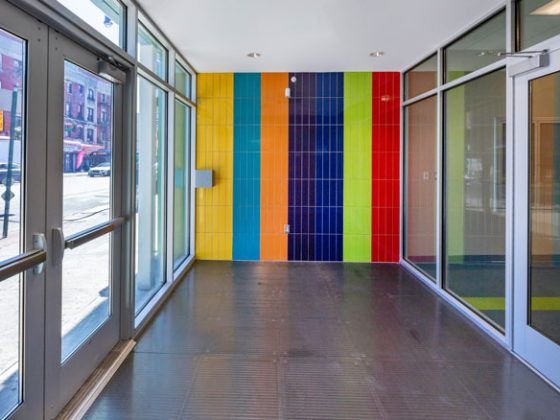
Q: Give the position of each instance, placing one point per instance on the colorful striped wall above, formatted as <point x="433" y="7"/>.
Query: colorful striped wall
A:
<point x="312" y="177"/>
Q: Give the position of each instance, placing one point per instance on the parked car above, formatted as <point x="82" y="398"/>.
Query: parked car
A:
<point x="103" y="169"/>
<point x="16" y="172"/>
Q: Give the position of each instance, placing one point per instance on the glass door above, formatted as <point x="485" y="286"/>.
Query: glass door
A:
<point x="83" y="216"/>
<point x="22" y="213"/>
<point x="537" y="219"/>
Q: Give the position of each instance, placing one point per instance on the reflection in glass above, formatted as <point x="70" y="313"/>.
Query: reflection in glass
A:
<point x="421" y="184"/>
<point x="538" y="21"/>
<point x="183" y="80"/>
<point x="478" y="48"/>
<point x="544" y="211"/>
<point x="151" y="52"/>
<point x="87" y="151"/>
<point x="86" y="280"/>
<point x="106" y="16"/>
<point x="150" y="192"/>
<point x="181" y="198"/>
<point x="421" y="78"/>
<point x="12" y="101"/>
<point x="474" y="194"/>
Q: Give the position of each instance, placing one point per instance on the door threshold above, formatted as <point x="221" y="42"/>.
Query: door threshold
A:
<point x="90" y="390"/>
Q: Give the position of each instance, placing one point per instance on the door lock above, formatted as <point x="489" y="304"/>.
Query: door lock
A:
<point x="39" y="243"/>
<point x="58" y="245"/>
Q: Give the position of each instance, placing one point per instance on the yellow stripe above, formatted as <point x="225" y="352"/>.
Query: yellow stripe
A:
<point x="214" y="150"/>
<point x="499" y="303"/>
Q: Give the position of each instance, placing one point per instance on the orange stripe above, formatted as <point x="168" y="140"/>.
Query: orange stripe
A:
<point x="274" y="166"/>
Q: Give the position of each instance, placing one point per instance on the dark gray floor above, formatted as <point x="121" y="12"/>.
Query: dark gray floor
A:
<point x="317" y="341"/>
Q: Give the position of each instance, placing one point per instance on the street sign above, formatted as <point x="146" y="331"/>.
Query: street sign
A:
<point x="5" y="196"/>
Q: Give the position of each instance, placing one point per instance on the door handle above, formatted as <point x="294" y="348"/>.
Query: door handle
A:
<point x="58" y="244"/>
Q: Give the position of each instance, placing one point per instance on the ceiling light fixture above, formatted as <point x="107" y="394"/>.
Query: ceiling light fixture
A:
<point x="551" y="8"/>
<point x="254" y="55"/>
<point x="376" y="54"/>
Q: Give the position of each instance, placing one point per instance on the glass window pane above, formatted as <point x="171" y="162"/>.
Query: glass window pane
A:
<point x="474" y="194"/>
<point x="181" y="198"/>
<point x="12" y="102"/>
<point x="478" y="48"/>
<point x="85" y="293"/>
<point x="151" y="52"/>
<point x="538" y="21"/>
<point x="544" y="210"/>
<point x="88" y="135"/>
<point x="106" y="16"/>
<point x="150" y="192"/>
<point x="421" y="78"/>
<point x="421" y="184"/>
<point x="183" y="80"/>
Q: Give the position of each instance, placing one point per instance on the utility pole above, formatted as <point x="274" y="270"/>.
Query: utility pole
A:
<point x="9" y="177"/>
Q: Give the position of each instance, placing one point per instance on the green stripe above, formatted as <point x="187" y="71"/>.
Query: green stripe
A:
<point x="357" y="167"/>
<point x="455" y="171"/>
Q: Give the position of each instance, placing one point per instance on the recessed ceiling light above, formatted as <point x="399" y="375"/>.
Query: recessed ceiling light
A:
<point x="254" y="55"/>
<point x="551" y="8"/>
<point x="376" y="53"/>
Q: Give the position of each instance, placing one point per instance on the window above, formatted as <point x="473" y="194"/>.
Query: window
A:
<point x="90" y="135"/>
<point x="181" y="184"/>
<point x="151" y="53"/>
<point x="81" y="89"/>
<point x="538" y="21"/>
<point x="474" y="192"/>
<point x="90" y="114"/>
<point x="478" y="48"/>
<point x="80" y="112"/>
<point x="183" y="80"/>
<point x="68" y="109"/>
<point x="69" y="87"/>
<point x="150" y="192"/>
<point x="421" y="78"/>
<point x="90" y="95"/>
<point x="105" y="16"/>
<point x="421" y="185"/>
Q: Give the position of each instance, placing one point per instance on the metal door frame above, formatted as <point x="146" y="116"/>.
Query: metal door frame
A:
<point x="529" y="344"/>
<point x="63" y="379"/>
<point x="33" y="212"/>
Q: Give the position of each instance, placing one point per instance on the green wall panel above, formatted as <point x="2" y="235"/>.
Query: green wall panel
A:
<point x="357" y="167"/>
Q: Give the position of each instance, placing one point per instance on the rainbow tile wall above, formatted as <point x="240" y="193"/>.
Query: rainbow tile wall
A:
<point x="324" y="162"/>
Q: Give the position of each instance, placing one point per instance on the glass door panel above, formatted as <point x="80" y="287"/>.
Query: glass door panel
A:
<point x="544" y="209"/>
<point x="12" y="94"/>
<point x="87" y="160"/>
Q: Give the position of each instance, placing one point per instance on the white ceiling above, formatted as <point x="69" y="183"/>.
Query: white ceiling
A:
<point x="311" y="35"/>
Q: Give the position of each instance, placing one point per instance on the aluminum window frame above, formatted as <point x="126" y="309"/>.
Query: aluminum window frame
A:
<point x="504" y="339"/>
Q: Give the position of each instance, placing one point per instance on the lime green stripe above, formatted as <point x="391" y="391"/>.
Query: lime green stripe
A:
<point x="455" y="177"/>
<point x="357" y="167"/>
<point x="499" y="303"/>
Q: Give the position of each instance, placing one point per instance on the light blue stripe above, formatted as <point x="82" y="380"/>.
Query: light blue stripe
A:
<point x="246" y="166"/>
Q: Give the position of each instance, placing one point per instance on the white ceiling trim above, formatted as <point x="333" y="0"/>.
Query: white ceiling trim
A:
<point x="311" y="35"/>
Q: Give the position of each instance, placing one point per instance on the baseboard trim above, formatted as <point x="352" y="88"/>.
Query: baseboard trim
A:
<point x="90" y="390"/>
